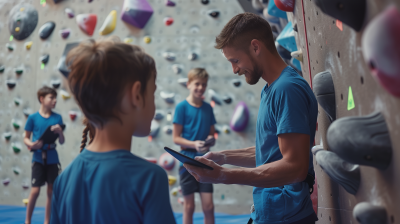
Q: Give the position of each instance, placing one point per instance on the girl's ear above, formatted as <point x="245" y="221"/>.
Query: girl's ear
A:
<point x="136" y="96"/>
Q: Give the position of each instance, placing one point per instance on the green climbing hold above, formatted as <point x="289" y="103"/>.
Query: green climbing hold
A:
<point x="2" y="68"/>
<point x="19" y="71"/>
<point x="16" y="149"/>
<point x="11" y="37"/>
<point x="350" y="101"/>
<point x="9" y="47"/>
<point x="17" y="101"/>
<point x="16" y="125"/>
<point x="16" y="171"/>
<point x="42" y="66"/>
<point x="7" y="136"/>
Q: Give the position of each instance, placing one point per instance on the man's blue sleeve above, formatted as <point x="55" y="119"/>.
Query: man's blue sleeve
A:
<point x="179" y="115"/>
<point x="29" y="124"/>
<point x="292" y="110"/>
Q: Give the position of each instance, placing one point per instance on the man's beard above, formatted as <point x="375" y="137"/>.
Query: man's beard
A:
<point x="253" y="77"/>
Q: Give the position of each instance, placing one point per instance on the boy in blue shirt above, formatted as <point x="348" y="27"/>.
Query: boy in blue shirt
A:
<point x="194" y="125"/>
<point x="114" y="84"/>
<point x="42" y="172"/>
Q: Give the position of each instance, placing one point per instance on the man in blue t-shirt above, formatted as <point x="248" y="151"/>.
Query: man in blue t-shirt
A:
<point x="194" y="131"/>
<point x="45" y="163"/>
<point x="281" y="161"/>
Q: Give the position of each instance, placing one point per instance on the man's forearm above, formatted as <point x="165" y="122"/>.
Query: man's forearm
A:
<point x="241" y="157"/>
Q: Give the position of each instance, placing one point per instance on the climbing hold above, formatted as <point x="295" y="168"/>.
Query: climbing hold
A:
<point x="215" y="96"/>
<point x="295" y="27"/>
<point x="65" y="33"/>
<point x="109" y="24"/>
<point x="64" y="94"/>
<point x="324" y="91"/>
<point x="128" y="40"/>
<point x="285" y="54"/>
<point x="227" y="99"/>
<point x="15" y="124"/>
<point x="351" y="13"/>
<point x="350" y="100"/>
<point x="180" y="200"/>
<point x="147" y="40"/>
<point x="136" y="12"/>
<point x="285" y="5"/>
<point x="16" y="171"/>
<point x="192" y="56"/>
<point x="26" y="20"/>
<point x="286" y="38"/>
<point x="159" y="115"/>
<point x="16" y="147"/>
<point x="55" y="83"/>
<point x="2" y="68"/>
<point x="169" y="116"/>
<point x="11" y="83"/>
<point x="361" y="140"/>
<point x="167" y="129"/>
<point x="213" y="13"/>
<point x="87" y="23"/>
<point x="7" y="136"/>
<point x="171" y="180"/>
<point x="166" y="161"/>
<point x="183" y="81"/>
<point x="226" y="129"/>
<point x="151" y="159"/>
<point x="25" y="187"/>
<point x="169" y="56"/>
<point x="19" y="71"/>
<point x="72" y="115"/>
<point x="45" y="58"/>
<point x="205" y="2"/>
<point x="9" y="46"/>
<point x="367" y="213"/>
<point x="380" y="43"/>
<point x="222" y="196"/>
<point x="154" y="128"/>
<point x="174" y="191"/>
<point x="167" y="96"/>
<point x="176" y="68"/>
<point x="168" y="21"/>
<point x="27" y="112"/>
<point x="236" y="82"/>
<point x="69" y="13"/>
<point x="17" y="101"/>
<point x="169" y="3"/>
<point x="46" y="30"/>
<point x="273" y="10"/>
<point x="344" y="173"/>
<point x="257" y="5"/>
<point x="28" y="45"/>
<point x="6" y="181"/>
<point x="240" y="117"/>
<point x="297" y="55"/>
<point x="62" y="67"/>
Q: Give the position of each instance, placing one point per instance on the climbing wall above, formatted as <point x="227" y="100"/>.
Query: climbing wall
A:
<point x="331" y="45"/>
<point x="193" y="30"/>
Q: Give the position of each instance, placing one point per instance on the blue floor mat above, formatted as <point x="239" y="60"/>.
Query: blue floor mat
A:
<point x="16" y="215"/>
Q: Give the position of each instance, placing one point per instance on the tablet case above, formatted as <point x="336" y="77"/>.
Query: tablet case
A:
<point x="48" y="136"/>
<point x="184" y="159"/>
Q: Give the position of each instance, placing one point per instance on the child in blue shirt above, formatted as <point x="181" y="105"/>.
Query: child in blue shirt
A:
<point x="114" y="85"/>
<point x="43" y="170"/>
<point x="194" y="125"/>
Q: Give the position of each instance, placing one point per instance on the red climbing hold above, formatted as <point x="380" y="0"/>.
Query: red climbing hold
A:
<point x="168" y="21"/>
<point x="72" y="115"/>
<point x="87" y="22"/>
<point x="285" y="5"/>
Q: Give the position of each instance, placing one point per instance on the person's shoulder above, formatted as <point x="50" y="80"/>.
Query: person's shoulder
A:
<point x="33" y="115"/>
<point x="206" y="105"/>
<point x="289" y="81"/>
<point x="54" y="114"/>
<point x="182" y="104"/>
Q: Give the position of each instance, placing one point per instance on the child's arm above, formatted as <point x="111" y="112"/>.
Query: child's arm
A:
<point x="57" y="129"/>
<point x="29" y="143"/>
<point x="177" y="131"/>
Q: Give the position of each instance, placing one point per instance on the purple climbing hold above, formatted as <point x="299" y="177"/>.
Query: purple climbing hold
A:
<point x="6" y="181"/>
<point x="240" y="117"/>
<point x="170" y="3"/>
<point x="136" y="12"/>
<point x="65" y="33"/>
<point x="70" y="13"/>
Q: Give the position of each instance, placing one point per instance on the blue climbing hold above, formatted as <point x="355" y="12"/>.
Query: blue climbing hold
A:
<point x="286" y="38"/>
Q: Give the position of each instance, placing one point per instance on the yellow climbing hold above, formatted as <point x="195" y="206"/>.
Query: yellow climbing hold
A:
<point x="28" y="45"/>
<point x="128" y="40"/>
<point x="298" y="55"/>
<point x="174" y="191"/>
<point x="171" y="180"/>
<point x="147" y="40"/>
<point x="22" y="9"/>
<point x="350" y="101"/>
<point x="65" y="95"/>
<point x="109" y="24"/>
<point x="25" y="201"/>
<point x="16" y="29"/>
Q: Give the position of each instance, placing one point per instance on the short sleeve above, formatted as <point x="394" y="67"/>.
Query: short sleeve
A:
<point x="29" y="124"/>
<point x="157" y="206"/>
<point x="179" y="114"/>
<point x="292" y="110"/>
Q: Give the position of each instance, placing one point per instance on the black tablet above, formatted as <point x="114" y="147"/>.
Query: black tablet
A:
<point x="48" y="136"/>
<point x="185" y="159"/>
<point x="209" y="142"/>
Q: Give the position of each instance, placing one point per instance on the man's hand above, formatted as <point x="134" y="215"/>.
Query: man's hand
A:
<point x="56" y="129"/>
<point x="198" y="145"/>
<point x="204" y="175"/>
<point x="217" y="157"/>
<point x="203" y="149"/>
<point x="37" y="145"/>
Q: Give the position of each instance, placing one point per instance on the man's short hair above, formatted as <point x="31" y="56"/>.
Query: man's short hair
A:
<point x="42" y="92"/>
<point x="197" y="73"/>
<point x="242" y="29"/>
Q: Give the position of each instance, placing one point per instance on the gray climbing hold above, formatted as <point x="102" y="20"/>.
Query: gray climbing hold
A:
<point x="295" y="27"/>
<point x="169" y="56"/>
<point x="55" y="83"/>
<point x="340" y="171"/>
<point x="2" y="68"/>
<point x="11" y="83"/>
<point x="27" y="112"/>
<point x="215" y="96"/>
<point x="62" y="67"/>
<point x="183" y="81"/>
<point x="227" y="99"/>
<point x="324" y="91"/>
<point x="45" y="58"/>
<point x="22" y="21"/>
<point x="154" y="128"/>
<point x="6" y="181"/>
<point x="192" y="56"/>
<point x="167" y="97"/>
<point x="213" y="13"/>
<point x="176" y="68"/>
<point x="46" y="30"/>
<point x="167" y="129"/>
<point x="159" y="115"/>
<point x="361" y="140"/>
<point x="367" y="213"/>
<point x="236" y="82"/>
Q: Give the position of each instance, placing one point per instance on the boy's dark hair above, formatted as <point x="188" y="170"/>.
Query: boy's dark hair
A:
<point x="100" y="73"/>
<point x="44" y="91"/>
<point x="242" y="29"/>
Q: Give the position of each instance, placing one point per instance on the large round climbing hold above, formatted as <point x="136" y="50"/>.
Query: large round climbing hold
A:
<point x="46" y="30"/>
<point x="25" y="20"/>
<point x="381" y="49"/>
<point x="240" y="117"/>
<point x="166" y="161"/>
<point x="87" y="23"/>
<point x="136" y="12"/>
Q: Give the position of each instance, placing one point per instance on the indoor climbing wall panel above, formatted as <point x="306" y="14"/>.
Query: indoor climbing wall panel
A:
<point x="180" y="36"/>
<point x="336" y="48"/>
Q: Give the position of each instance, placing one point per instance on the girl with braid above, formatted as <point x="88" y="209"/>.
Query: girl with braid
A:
<point x="114" y="85"/>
